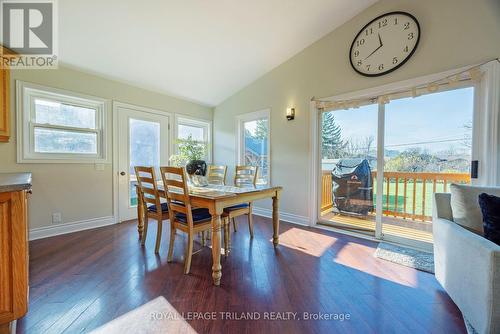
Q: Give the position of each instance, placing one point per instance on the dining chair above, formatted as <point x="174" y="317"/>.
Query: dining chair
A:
<point x="243" y="176"/>
<point x="217" y="175"/>
<point x="151" y="201"/>
<point x="183" y="216"/>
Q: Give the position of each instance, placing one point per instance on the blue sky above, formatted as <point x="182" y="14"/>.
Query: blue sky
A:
<point x="430" y="118"/>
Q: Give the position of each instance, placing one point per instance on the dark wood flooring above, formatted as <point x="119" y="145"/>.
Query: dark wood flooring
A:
<point x="83" y="280"/>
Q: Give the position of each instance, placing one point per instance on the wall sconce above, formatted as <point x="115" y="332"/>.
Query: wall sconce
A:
<point x="290" y="113"/>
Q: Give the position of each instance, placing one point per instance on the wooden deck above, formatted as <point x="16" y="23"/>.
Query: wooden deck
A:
<point x="403" y="228"/>
<point x="405" y="195"/>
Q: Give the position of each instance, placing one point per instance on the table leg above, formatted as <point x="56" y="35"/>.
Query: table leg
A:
<point x="216" y="237"/>
<point x="140" y="214"/>
<point x="276" y="219"/>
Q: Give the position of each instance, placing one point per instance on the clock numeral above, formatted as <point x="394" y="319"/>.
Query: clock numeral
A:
<point x="382" y="23"/>
<point x="407" y="26"/>
<point x="359" y="63"/>
<point x="360" y="42"/>
<point x="410" y="36"/>
<point x="369" y="30"/>
<point x="395" y="60"/>
<point x="368" y="68"/>
<point x="380" y="67"/>
<point x="405" y="49"/>
<point x="395" y="21"/>
<point x="356" y="53"/>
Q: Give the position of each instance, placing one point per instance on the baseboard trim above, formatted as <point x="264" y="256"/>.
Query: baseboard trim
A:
<point x="50" y="231"/>
<point x="288" y="217"/>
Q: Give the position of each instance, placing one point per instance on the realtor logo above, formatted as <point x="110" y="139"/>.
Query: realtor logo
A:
<point x="28" y="30"/>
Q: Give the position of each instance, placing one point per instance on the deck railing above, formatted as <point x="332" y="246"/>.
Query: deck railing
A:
<point x="406" y="195"/>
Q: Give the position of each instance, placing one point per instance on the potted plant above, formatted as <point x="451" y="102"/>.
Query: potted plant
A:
<point x="190" y="155"/>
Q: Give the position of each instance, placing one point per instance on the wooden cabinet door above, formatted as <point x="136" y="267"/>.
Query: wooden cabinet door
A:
<point x="13" y="256"/>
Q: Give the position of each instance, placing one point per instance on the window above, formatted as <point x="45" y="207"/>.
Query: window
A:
<point x="57" y="126"/>
<point x="382" y="159"/>
<point x="254" y="143"/>
<point x="198" y="130"/>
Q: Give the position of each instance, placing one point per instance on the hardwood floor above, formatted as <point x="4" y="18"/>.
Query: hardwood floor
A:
<point x="84" y="280"/>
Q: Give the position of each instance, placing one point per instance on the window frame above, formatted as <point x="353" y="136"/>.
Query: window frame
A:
<point x="26" y="94"/>
<point x="194" y="122"/>
<point x="240" y="140"/>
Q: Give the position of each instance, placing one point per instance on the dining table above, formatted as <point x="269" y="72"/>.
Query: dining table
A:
<point x="216" y="198"/>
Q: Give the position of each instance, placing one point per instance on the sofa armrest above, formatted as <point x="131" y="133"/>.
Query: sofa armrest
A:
<point x="442" y="206"/>
<point x="468" y="267"/>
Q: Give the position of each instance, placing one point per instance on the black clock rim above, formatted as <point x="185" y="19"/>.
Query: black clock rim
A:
<point x="400" y="64"/>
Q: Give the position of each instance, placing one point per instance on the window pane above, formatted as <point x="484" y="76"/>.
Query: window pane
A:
<point x="144" y="150"/>
<point x="426" y="137"/>
<point x="62" y="141"/>
<point x="196" y="132"/>
<point x="256" y="147"/>
<point x="55" y="113"/>
<point x="349" y="167"/>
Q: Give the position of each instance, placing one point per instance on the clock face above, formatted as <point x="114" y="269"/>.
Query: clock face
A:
<point x="385" y="44"/>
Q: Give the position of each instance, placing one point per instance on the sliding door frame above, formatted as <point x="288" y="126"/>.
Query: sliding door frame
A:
<point x="315" y="147"/>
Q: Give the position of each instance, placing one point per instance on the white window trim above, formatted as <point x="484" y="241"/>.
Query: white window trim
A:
<point x="240" y="143"/>
<point x="198" y="122"/>
<point x="25" y="92"/>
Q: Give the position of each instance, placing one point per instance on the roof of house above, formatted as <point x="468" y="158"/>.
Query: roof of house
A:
<point x="256" y="146"/>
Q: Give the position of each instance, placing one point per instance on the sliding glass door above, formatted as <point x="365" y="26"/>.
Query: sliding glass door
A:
<point x="349" y="167"/>
<point x="428" y="141"/>
<point x="381" y="163"/>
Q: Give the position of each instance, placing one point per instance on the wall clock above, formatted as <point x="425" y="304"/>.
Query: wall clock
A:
<point x="385" y="44"/>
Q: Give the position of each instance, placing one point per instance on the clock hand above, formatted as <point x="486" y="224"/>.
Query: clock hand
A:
<point x="381" y="45"/>
<point x="373" y="52"/>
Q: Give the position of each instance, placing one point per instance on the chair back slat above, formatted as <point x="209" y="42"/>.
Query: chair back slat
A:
<point x="245" y="175"/>
<point x="174" y="181"/>
<point x="177" y="197"/>
<point x="178" y="208"/>
<point x="148" y="189"/>
<point x="217" y="174"/>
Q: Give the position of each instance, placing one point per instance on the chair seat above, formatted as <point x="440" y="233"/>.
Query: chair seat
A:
<point x="236" y="207"/>
<point x="199" y="216"/>
<point x="164" y="208"/>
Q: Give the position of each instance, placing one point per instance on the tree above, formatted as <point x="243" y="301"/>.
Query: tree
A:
<point x="331" y="135"/>
<point x="467" y="142"/>
<point x="412" y="160"/>
<point x="360" y="147"/>
<point x="261" y="129"/>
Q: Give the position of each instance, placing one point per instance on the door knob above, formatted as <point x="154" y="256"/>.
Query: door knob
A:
<point x="122" y="173"/>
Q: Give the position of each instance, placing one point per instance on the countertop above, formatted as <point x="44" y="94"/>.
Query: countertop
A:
<point x="14" y="182"/>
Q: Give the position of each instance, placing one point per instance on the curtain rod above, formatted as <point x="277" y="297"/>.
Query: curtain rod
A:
<point x="314" y="99"/>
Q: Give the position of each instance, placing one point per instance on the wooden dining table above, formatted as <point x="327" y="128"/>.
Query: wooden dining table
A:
<point x="217" y="197"/>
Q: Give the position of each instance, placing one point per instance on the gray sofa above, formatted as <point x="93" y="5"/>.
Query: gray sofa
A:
<point x="466" y="264"/>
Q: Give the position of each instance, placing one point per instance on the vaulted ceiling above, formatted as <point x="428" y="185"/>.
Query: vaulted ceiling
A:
<point x="201" y="50"/>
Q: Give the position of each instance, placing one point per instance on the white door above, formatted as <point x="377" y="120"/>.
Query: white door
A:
<point x="143" y="140"/>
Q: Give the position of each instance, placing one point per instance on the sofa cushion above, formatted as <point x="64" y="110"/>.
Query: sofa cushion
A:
<point x="465" y="205"/>
<point x="490" y="207"/>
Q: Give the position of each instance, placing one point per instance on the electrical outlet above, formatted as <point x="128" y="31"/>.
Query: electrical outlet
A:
<point x="56" y="218"/>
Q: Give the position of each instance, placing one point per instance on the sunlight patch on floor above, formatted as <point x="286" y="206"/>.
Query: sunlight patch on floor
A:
<point x="156" y="316"/>
<point x="308" y="242"/>
<point x="347" y="258"/>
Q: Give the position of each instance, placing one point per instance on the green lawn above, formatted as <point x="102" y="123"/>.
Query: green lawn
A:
<point x="409" y="196"/>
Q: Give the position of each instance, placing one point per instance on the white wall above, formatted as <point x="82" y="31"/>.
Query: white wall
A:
<point x="455" y="33"/>
<point x="78" y="191"/>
